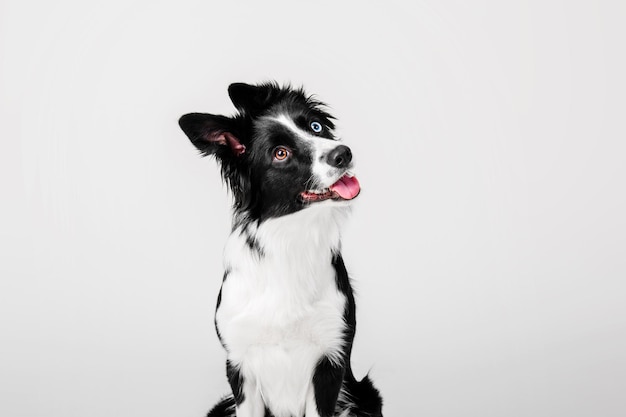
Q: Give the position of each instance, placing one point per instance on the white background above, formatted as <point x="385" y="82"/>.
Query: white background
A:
<point x="488" y="246"/>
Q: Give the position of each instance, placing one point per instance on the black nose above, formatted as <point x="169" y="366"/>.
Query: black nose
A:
<point x="339" y="157"/>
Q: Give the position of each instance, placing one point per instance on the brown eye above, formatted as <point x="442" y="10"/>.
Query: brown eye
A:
<point x="281" y="153"/>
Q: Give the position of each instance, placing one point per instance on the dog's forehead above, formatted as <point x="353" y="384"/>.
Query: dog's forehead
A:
<point x="288" y="120"/>
<point x="294" y="126"/>
<point x="301" y="108"/>
<point x="297" y="120"/>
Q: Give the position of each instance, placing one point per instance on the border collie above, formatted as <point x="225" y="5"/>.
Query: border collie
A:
<point x="285" y="313"/>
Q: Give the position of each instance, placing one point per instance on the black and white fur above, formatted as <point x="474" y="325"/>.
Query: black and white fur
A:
<point x="285" y="313"/>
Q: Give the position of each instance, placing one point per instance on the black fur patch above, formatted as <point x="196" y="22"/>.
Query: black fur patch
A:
<point x="253" y="243"/>
<point x="364" y="399"/>
<point x="343" y="284"/>
<point x="327" y="381"/>
<point x="219" y="301"/>
<point x="224" y="408"/>
<point x="236" y="382"/>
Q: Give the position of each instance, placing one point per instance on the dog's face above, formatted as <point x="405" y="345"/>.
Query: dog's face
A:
<point x="278" y="154"/>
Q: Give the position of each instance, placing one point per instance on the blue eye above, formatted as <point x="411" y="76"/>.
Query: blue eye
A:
<point x="316" y="127"/>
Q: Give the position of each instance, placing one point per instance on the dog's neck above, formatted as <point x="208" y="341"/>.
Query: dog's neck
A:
<point x="292" y="254"/>
<point x="314" y="228"/>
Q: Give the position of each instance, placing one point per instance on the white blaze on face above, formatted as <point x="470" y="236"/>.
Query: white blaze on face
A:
<point x="324" y="174"/>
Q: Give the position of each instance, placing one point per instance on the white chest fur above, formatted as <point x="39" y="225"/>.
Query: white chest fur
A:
<point x="280" y="308"/>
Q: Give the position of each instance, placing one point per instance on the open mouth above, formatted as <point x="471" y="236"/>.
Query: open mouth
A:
<point x="346" y="188"/>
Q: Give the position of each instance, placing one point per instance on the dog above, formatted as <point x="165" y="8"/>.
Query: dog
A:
<point x="285" y="312"/>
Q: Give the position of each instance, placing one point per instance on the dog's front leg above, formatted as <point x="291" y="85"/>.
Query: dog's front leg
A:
<point x="324" y="391"/>
<point x="248" y="401"/>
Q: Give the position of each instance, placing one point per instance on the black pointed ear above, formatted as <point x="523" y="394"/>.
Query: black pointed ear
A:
<point x="212" y="134"/>
<point x="249" y="98"/>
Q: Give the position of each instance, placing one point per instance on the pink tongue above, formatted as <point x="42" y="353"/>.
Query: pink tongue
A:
<point x="346" y="187"/>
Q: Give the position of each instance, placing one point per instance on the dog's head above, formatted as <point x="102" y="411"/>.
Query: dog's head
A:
<point x="278" y="153"/>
